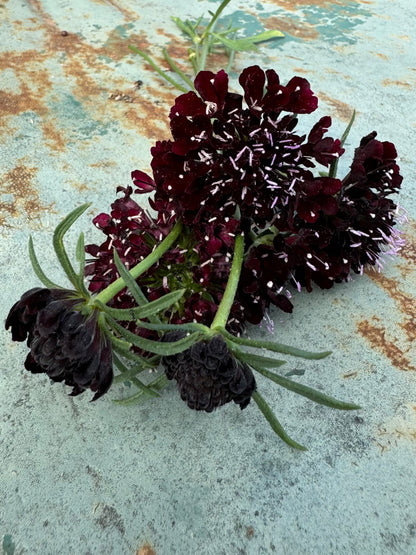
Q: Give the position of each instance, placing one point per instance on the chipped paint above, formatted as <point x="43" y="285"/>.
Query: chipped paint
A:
<point x="327" y="20"/>
<point x="301" y="30"/>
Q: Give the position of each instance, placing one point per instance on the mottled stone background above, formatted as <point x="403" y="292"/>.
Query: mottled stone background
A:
<point x="158" y="478"/>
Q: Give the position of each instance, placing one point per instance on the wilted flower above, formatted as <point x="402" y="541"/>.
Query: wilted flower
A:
<point x="208" y="375"/>
<point x="65" y="344"/>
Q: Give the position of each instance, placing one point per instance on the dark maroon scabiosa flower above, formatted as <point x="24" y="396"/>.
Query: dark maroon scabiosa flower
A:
<point x="64" y="343"/>
<point x="200" y="262"/>
<point x="357" y="232"/>
<point x="208" y="375"/>
<point x="227" y="158"/>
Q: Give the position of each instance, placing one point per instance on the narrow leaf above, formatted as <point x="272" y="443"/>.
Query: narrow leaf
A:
<point x="274" y="423"/>
<point x="38" y="270"/>
<point x="157" y="384"/>
<point x="177" y="70"/>
<point x="138" y="383"/>
<point x="184" y="26"/>
<point x="160" y="304"/>
<point x="305" y="391"/>
<point x="248" y="43"/>
<point x="333" y="168"/>
<point x="274" y="347"/>
<point x="157" y="68"/>
<point x="58" y="243"/>
<point x="266" y="362"/>
<point x="145" y="311"/>
<point x="80" y="253"/>
<point x="157" y="347"/>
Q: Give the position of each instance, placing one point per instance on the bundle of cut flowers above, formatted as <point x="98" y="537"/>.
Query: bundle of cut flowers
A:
<point x="245" y="208"/>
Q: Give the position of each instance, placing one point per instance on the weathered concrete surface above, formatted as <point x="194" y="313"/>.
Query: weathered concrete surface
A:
<point x="89" y="479"/>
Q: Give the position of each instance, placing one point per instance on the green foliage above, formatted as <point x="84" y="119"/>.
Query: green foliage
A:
<point x="203" y="41"/>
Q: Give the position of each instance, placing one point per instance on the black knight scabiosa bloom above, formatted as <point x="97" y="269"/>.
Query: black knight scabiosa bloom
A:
<point x="208" y="375"/>
<point x="64" y="344"/>
<point x="229" y="158"/>
<point x="67" y="331"/>
<point x="76" y="338"/>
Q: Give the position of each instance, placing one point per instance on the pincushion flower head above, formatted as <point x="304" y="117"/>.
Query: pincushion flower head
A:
<point x="234" y="154"/>
<point x="64" y="344"/>
<point x="238" y="159"/>
<point x="68" y="333"/>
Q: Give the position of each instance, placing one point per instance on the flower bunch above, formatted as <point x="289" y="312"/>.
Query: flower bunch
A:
<point x="245" y="206"/>
<point x="237" y="164"/>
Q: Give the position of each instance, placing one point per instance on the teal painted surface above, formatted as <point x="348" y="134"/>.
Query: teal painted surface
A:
<point x="98" y="478"/>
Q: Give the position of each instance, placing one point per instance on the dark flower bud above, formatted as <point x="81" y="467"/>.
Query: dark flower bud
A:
<point x="208" y="375"/>
<point x="64" y="343"/>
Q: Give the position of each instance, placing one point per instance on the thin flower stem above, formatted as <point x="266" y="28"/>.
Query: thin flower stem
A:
<point x="157" y="69"/>
<point x="226" y="303"/>
<point x="111" y="291"/>
<point x="206" y="38"/>
<point x="214" y="18"/>
<point x="177" y="70"/>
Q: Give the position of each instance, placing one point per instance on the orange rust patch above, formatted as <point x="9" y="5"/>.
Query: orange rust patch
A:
<point x="304" y="31"/>
<point x="117" y="47"/>
<point x="294" y="4"/>
<point x="24" y="196"/>
<point x="146" y="549"/>
<point x="375" y="334"/>
<point x="380" y="55"/>
<point x="408" y="253"/>
<point x="342" y="110"/>
<point x="146" y="120"/>
<point x="126" y="13"/>
<point x="406" y="303"/>
<point x="392" y="83"/>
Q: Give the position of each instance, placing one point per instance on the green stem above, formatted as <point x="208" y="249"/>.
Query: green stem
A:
<point x="226" y="303"/>
<point x="157" y="69"/>
<point x="214" y="18"/>
<point x="111" y="291"/>
<point x="177" y="70"/>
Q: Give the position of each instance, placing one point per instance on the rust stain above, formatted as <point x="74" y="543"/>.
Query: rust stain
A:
<point x="144" y="117"/>
<point x="350" y="375"/>
<point x="33" y="82"/>
<point x="36" y="6"/>
<point x="303" y="31"/>
<point x="146" y="549"/>
<point x="19" y="196"/>
<point x="401" y="427"/>
<point x="405" y="303"/>
<point x="87" y="75"/>
<point x="302" y="70"/>
<point x="375" y="334"/>
<point x="342" y="110"/>
<point x="408" y="253"/>
<point x="381" y="56"/>
<point x="393" y="83"/>
<point x="117" y="47"/>
<point x="294" y="4"/>
<point x="126" y="12"/>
